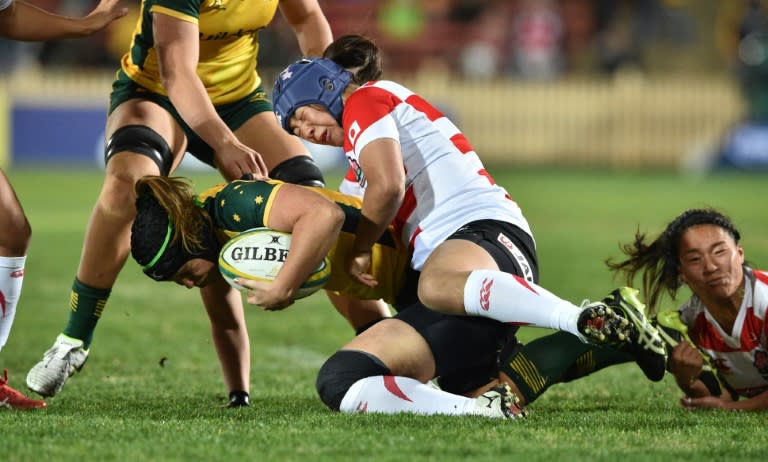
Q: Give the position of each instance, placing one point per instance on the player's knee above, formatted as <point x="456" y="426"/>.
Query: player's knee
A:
<point x="430" y="292"/>
<point x="117" y="197"/>
<point x="142" y="140"/>
<point x="342" y="370"/>
<point x="299" y="170"/>
<point x="17" y="233"/>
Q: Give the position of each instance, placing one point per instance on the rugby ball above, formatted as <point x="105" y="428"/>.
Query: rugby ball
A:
<point x="259" y="253"/>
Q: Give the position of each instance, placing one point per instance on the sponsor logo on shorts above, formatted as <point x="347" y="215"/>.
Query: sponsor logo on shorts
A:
<point x="525" y="267"/>
<point x="258" y="97"/>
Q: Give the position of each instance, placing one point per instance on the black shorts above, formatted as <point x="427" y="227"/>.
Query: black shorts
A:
<point x="513" y="250"/>
<point x="466" y="348"/>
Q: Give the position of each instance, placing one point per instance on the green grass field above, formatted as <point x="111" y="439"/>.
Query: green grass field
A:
<point x="126" y="405"/>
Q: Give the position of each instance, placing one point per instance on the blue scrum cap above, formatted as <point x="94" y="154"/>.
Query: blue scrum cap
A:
<point x="309" y="81"/>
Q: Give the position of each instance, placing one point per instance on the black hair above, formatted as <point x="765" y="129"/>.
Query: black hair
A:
<point x="659" y="262"/>
<point x="358" y="55"/>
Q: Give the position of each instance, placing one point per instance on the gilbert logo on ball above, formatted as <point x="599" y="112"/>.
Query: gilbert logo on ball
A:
<point x="258" y="254"/>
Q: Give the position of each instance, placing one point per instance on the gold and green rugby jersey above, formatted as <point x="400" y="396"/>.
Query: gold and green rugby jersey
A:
<point x="228" y="44"/>
<point x="241" y="205"/>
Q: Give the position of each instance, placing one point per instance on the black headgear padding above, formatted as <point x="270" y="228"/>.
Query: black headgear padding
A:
<point x="342" y="370"/>
<point x="153" y="245"/>
<point x="299" y="170"/>
<point x="142" y="140"/>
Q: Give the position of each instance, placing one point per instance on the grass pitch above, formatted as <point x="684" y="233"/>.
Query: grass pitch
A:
<point x="152" y="390"/>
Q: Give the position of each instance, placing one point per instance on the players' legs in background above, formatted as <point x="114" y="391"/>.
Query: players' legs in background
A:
<point x="107" y="237"/>
<point x="14" y="242"/>
<point x="230" y="337"/>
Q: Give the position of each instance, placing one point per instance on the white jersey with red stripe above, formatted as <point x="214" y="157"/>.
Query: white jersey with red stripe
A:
<point x="741" y="356"/>
<point x="5" y="4"/>
<point x="446" y="183"/>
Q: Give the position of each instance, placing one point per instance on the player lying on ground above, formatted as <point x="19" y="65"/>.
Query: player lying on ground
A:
<point x="721" y="329"/>
<point x="21" y="21"/>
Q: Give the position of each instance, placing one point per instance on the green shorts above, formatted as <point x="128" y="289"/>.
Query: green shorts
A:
<point x="233" y="114"/>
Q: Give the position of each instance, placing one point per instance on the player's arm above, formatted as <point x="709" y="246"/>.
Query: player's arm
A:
<point x="314" y="222"/>
<point x="685" y="364"/>
<point x="22" y="21"/>
<point x="382" y="165"/>
<point x="177" y="44"/>
<point x="309" y="24"/>
<point x="756" y="403"/>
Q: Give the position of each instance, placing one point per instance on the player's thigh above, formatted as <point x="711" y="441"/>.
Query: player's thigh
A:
<point x="444" y="275"/>
<point x="262" y="133"/>
<point x="9" y="202"/>
<point x="399" y="346"/>
<point x="149" y="114"/>
<point x="457" y="255"/>
<point x="16" y="231"/>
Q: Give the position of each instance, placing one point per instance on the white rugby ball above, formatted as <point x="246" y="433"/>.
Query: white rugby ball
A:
<point x="259" y="253"/>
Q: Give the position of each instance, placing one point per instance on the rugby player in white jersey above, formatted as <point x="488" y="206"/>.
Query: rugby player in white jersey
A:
<point x="717" y="339"/>
<point x="467" y="237"/>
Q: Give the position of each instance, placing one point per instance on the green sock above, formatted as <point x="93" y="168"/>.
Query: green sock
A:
<point x="556" y="358"/>
<point x="86" y="304"/>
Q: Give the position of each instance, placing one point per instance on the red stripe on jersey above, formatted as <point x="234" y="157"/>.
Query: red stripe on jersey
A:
<point x="413" y="239"/>
<point x="421" y="105"/>
<point x="405" y="211"/>
<point x="484" y="172"/>
<point x="751" y="330"/>
<point x="761" y="276"/>
<point x="351" y="175"/>
<point x="363" y="108"/>
<point x="462" y="143"/>
<point x="391" y="386"/>
<point x="705" y="335"/>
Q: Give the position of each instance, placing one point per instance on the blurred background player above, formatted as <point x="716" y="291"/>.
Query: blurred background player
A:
<point x="22" y="21"/>
<point x="170" y="97"/>
<point x="720" y="330"/>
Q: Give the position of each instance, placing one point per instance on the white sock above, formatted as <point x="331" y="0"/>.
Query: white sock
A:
<point x="390" y="394"/>
<point x="511" y="299"/>
<point x="11" y="278"/>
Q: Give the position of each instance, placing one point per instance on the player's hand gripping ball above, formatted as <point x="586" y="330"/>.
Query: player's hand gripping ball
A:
<point x="259" y="253"/>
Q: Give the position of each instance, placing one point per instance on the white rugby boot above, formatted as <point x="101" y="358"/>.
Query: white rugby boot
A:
<point x="66" y="356"/>
<point x="500" y="403"/>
